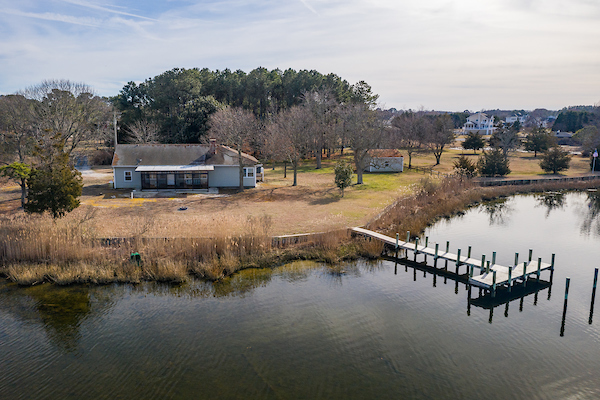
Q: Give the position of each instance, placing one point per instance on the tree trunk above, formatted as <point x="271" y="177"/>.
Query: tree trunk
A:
<point x="318" y="154"/>
<point x="358" y="163"/>
<point x="23" y="185"/>
<point x="285" y="169"/>
<point x="295" y="165"/>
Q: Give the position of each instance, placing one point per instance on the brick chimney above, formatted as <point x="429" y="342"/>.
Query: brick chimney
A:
<point x="213" y="146"/>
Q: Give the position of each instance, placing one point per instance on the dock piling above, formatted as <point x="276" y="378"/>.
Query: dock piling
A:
<point x="530" y="254"/>
<point x="458" y="258"/>
<point x="516" y="259"/>
<point x="447" y="246"/>
<point x="407" y="236"/>
<point x="481" y="268"/>
<point x="493" y="258"/>
<point x="437" y="247"/>
<point x="593" y="295"/>
<point x="524" y="273"/>
<point x="509" y="279"/>
<point x="469" y="252"/>
<point x="539" y="268"/>
<point x="494" y="284"/>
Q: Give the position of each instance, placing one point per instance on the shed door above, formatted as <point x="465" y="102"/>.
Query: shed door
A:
<point x="170" y="179"/>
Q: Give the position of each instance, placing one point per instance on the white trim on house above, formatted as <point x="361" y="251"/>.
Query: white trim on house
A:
<point x="128" y="176"/>
<point x="174" y="168"/>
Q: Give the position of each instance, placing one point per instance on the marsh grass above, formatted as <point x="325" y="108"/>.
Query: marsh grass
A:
<point x="442" y="198"/>
<point x="37" y="249"/>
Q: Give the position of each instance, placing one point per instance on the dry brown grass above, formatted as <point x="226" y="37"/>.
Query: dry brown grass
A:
<point x="437" y="198"/>
<point x="36" y="249"/>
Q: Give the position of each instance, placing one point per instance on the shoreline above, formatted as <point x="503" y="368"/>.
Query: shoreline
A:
<point x="68" y="256"/>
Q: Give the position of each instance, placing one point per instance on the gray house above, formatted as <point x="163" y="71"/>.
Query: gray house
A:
<point x="181" y="167"/>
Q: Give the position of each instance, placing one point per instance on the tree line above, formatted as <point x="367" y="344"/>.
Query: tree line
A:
<point x="174" y="107"/>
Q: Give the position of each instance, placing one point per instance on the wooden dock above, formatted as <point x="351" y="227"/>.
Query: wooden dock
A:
<point x="488" y="275"/>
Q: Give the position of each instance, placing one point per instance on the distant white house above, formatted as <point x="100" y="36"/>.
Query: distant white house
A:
<point x="512" y="119"/>
<point x="385" y="160"/>
<point x="479" y="123"/>
<point x="182" y="167"/>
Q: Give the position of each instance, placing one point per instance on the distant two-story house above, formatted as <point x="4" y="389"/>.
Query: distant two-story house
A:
<point x="182" y="167"/>
<point x="479" y="123"/>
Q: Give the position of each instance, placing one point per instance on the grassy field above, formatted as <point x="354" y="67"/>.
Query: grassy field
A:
<point x="315" y="205"/>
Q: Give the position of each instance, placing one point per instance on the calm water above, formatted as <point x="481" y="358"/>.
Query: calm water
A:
<point x="302" y="332"/>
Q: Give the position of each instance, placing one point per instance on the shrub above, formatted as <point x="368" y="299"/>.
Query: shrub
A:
<point x="555" y="160"/>
<point x="465" y="167"/>
<point x="343" y="175"/>
<point x="493" y="163"/>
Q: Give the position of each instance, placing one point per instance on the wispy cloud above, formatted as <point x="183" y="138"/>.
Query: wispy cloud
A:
<point x="98" y="7"/>
<point x="444" y="54"/>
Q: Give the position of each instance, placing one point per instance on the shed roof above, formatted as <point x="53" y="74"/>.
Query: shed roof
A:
<point x="176" y="154"/>
<point x="384" y="153"/>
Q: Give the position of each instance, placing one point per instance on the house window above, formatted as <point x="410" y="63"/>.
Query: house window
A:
<point x="249" y="172"/>
<point x="127" y="176"/>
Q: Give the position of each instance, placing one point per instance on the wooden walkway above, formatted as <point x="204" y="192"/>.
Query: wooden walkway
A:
<point x="490" y="274"/>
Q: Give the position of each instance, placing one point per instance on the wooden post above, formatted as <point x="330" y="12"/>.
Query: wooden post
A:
<point x="447" y="246"/>
<point x="481" y="268"/>
<point x="530" y="254"/>
<point x="397" y="244"/>
<point x="407" y="236"/>
<point x="469" y="252"/>
<point x="524" y="273"/>
<point x="516" y="259"/>
<point x="494" y="283"/>
<point x="487" y="268"/>
<point x="509" y="278"/>
<point x="539" y="268"/>
<point x="593" y="296"/>
<point x="458" y="259"/>
<point x="426" y="241"/>
<point x="416" y="247"/>
<point x="437" y="247"/>
<point x="567" y="282"/>
<point x="552" y="263"/>
<point x="493" y="258"/>
<point x="471" y="271"/>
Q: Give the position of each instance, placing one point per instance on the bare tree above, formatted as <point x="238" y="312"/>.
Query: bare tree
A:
<point x="364" y="131"/>
<point x="505" y="138"/>
<point x="286" y="136"/>
<point x="144" y="131"/>
<point x="440" y="135"/>
<point x="69" y="108"/>
<point x="234" y="127"/>
<point x="408" y="133"/>
<point x="323" y="107"/>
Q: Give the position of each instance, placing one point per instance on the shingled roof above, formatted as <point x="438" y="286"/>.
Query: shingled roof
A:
<point x="384" y="153"/>
<point x="176" y="154"/>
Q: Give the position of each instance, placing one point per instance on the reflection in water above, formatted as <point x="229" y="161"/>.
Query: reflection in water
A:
<point x="59" y="310"/>
<point x="498" y="211"/>
<point x="590" y="214"/>
<point x="551" y="200"/>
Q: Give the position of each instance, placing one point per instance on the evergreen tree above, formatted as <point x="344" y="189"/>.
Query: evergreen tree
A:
<point x="493" y="163"/>
<point x="343" y="175"/>
<point x="474" y="142"/>
<point x="555" y="160"/>
<point x="54" y="184"/>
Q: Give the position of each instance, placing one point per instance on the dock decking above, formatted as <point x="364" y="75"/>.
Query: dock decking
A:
<point x="490" y="275"/>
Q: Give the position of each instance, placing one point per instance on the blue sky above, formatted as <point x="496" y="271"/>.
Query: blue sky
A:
<point x="436" y="54"/>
